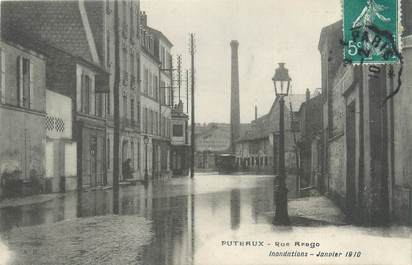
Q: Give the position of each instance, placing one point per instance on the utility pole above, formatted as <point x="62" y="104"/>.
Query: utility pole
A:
<point x="179" y="73"/>
<point x="192" y="136"/>
<point x="116" y="141"/>
<point x="187" y="91"/>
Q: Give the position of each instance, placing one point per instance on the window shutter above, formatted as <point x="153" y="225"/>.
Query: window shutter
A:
<point x="19" y="87"/>
<point x="2" y="77"/>
<point x="31" y="92"/>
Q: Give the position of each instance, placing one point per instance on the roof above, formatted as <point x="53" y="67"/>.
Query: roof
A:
<point x="57" y="23"/>
<point x="262" y="127"/>
<point x="159" y="34"/>
<point x="210" y="127"/>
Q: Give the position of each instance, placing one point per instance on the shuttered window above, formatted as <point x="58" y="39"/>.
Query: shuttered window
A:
<point x="2" y="77"/>
<point x="24" y="82"/>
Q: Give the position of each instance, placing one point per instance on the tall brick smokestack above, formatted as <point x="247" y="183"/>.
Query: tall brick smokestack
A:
<point x="234" y="97"/>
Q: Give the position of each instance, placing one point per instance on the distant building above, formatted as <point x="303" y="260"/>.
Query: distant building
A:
<point x="180" y="148"/>
<point x="254" y="151"/>
<point x="211" y="139"/>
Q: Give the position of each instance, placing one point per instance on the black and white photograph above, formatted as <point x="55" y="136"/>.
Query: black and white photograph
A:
<point x="205" y="132"/>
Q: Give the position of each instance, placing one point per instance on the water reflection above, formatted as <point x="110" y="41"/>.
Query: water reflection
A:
<point x="184" y="213"/>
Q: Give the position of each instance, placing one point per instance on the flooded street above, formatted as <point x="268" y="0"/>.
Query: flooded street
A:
<point x="181" y="221"/>
<point x="173" y="218"/>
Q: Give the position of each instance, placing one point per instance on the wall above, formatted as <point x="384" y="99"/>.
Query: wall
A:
<point x="402" y="178"/>
<point x="22" y="134"/>
<point x="61" y="161"/>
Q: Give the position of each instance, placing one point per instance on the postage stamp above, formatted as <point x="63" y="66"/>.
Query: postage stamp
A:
<point x="371" y="31"/>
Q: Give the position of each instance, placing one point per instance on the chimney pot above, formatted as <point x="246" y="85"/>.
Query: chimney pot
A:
<point x="307" y="94"/>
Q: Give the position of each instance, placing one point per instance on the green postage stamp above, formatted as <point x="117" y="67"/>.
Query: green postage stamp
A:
<point x="371" y="31"/>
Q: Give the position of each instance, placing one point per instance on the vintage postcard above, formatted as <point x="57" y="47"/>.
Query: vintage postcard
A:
<point x="206" y="132"/>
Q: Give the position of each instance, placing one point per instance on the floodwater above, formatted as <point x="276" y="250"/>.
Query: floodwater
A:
<point x="185" y="222"/>
<point x="180" y="214"/>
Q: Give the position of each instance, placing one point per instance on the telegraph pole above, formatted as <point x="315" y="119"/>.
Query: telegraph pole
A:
<point x="192" y="136"/>
<point x="187" y="91"/>
<point x="179" y="73"/>
<point x="116" y="140"/>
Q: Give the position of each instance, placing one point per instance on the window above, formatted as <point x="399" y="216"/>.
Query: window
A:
<point x="132" y="81"/>
<point x="124" y="60"/>
<point x="138" y="114"/>
<point x="125" y="107"/>
<point x="108" y="49"/>
<point x="154" y="122"/>
<point x="85" y="93"/>
<point x="145" y="125"/>
<point x="155" y="86"/>
<point x="132" y="153"/>
<point x="150" y="85"/>
<point x="138" y="154"/>
<point x="146" y="81"/>
<point x="151" y="121"/>
<point x="131" y="21"/>
<point x="24" y="82"/>
<point x="178" y="130"/>
<point x="162" y="92"/>
<point x="99" y="105"/>
<point x="108" y="153"/>
<point x="109" y="103"/>
<point x="163" y="57"/>
<point x="132" y="110"/>
<point x="138" y="71"/>
<point x="2" y="77"/>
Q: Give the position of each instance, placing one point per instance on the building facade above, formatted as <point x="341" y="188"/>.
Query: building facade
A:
<point x="210" y="139"/>
<point x="180" y="148"/>
<point x="309" y="144"/>
<point x="22" y="117"/>
<point x="365" y="135"/>
<point x="156" y="98"/>
<point x="102" y="18"/>
<point x="73" y="69"/>
<point x="255" y="150"/>
<point x="60" y="149"/>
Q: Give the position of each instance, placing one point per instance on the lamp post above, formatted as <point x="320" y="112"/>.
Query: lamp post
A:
<point x="146" y="176"/>
<point x="281" y="81"/>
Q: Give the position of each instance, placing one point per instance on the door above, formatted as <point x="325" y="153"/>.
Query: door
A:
<point x="93" y="160"/>
<point x="351" y="161"/>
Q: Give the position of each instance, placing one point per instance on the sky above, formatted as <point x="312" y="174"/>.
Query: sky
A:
<point x="268" y="31"/>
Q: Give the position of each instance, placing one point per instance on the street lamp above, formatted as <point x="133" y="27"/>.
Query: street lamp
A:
<point x="281" y="81"/>
<point x="146" y="141"/>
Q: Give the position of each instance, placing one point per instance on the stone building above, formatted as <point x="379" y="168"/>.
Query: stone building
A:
<point x="61" y="30"/>
<point x="366" y="137"/>
<point x="254" y="150"/>
<point x="102" y="26"/>
<point x="310" y="145"/>
<point x="210" y="139"/>
<point x="156" y="97"/>
<point x="22" y="117"/>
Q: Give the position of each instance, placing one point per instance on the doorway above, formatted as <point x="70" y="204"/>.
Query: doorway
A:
<point x="351" y="161"/>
